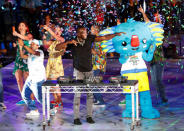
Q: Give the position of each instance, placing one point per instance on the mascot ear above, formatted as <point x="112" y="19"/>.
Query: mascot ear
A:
<point x="107" y="46"/>
<point x="157" y="32"/>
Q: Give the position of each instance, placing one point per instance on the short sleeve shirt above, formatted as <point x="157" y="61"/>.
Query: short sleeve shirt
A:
<point x="82" y="57"/>
<point x="36" y="66"/>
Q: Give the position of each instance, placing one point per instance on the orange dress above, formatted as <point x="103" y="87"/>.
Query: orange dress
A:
<point x="54" y="67"/>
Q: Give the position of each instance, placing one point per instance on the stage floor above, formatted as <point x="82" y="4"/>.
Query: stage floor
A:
<point x="107" y="118"/>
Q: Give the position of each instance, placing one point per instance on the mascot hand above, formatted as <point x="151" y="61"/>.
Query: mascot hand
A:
<point x="152" y="48"/>
<point x="148" y="56"/>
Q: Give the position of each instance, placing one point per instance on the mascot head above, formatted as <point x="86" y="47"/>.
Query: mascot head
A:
<point x="138" y="38"/>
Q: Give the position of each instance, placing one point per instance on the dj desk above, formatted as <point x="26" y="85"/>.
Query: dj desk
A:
<point x="115" y="85"/>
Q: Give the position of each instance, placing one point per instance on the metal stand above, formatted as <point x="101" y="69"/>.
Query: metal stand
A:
<point x="43" y="107"/>
<point x="135" y="120"/>
<point x="92" y="88"/>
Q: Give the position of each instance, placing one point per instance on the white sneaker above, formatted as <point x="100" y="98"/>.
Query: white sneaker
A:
<point x="99" y="104"/>
<point x="53" y="111"/>
<point x="34" y="113"/>
<point x="2" y="105"/>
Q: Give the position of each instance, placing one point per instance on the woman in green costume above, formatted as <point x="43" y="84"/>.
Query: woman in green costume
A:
<point x="20" y="69"/>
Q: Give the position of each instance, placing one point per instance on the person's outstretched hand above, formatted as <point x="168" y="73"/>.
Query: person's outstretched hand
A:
<point x="140" y="9"/>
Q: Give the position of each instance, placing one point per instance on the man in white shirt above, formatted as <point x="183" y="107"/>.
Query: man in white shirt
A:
<point x="36" y="75"/>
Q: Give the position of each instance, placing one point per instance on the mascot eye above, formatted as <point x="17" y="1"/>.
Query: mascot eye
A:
<point x="124" y="43"/>
<point x="144" y="41"/>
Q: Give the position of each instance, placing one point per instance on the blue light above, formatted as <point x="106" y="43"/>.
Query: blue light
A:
<point x="2" y="8"/>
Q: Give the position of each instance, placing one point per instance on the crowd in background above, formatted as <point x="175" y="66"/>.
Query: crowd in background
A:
<point x="68" y="14"/>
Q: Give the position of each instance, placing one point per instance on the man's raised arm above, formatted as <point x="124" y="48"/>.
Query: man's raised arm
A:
<point x="108" y="37"/>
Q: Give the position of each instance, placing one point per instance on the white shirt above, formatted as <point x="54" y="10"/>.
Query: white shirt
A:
<point x="36" y="67"/>
<point x="134" y="64"/>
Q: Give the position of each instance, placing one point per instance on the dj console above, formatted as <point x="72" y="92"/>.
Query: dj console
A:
<point x="67" y="84"/>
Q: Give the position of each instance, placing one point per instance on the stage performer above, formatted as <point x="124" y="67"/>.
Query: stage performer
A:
<point x="36" y="76"/>
<point x="20" y="68"/>
<point x="54" y="67"/>
<point x="136" y="46"/>
<point x="157" y="65"/>
<point x="99" y="64"/>
<point x="82" y="63"/>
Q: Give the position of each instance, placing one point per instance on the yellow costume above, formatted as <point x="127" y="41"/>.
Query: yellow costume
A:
<point x="142" y="77"/>
<point x="135" y="68"/>
<point x="54" y="67"/>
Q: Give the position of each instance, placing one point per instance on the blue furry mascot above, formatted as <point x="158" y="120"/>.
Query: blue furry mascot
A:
<point x="137" y="45"/>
